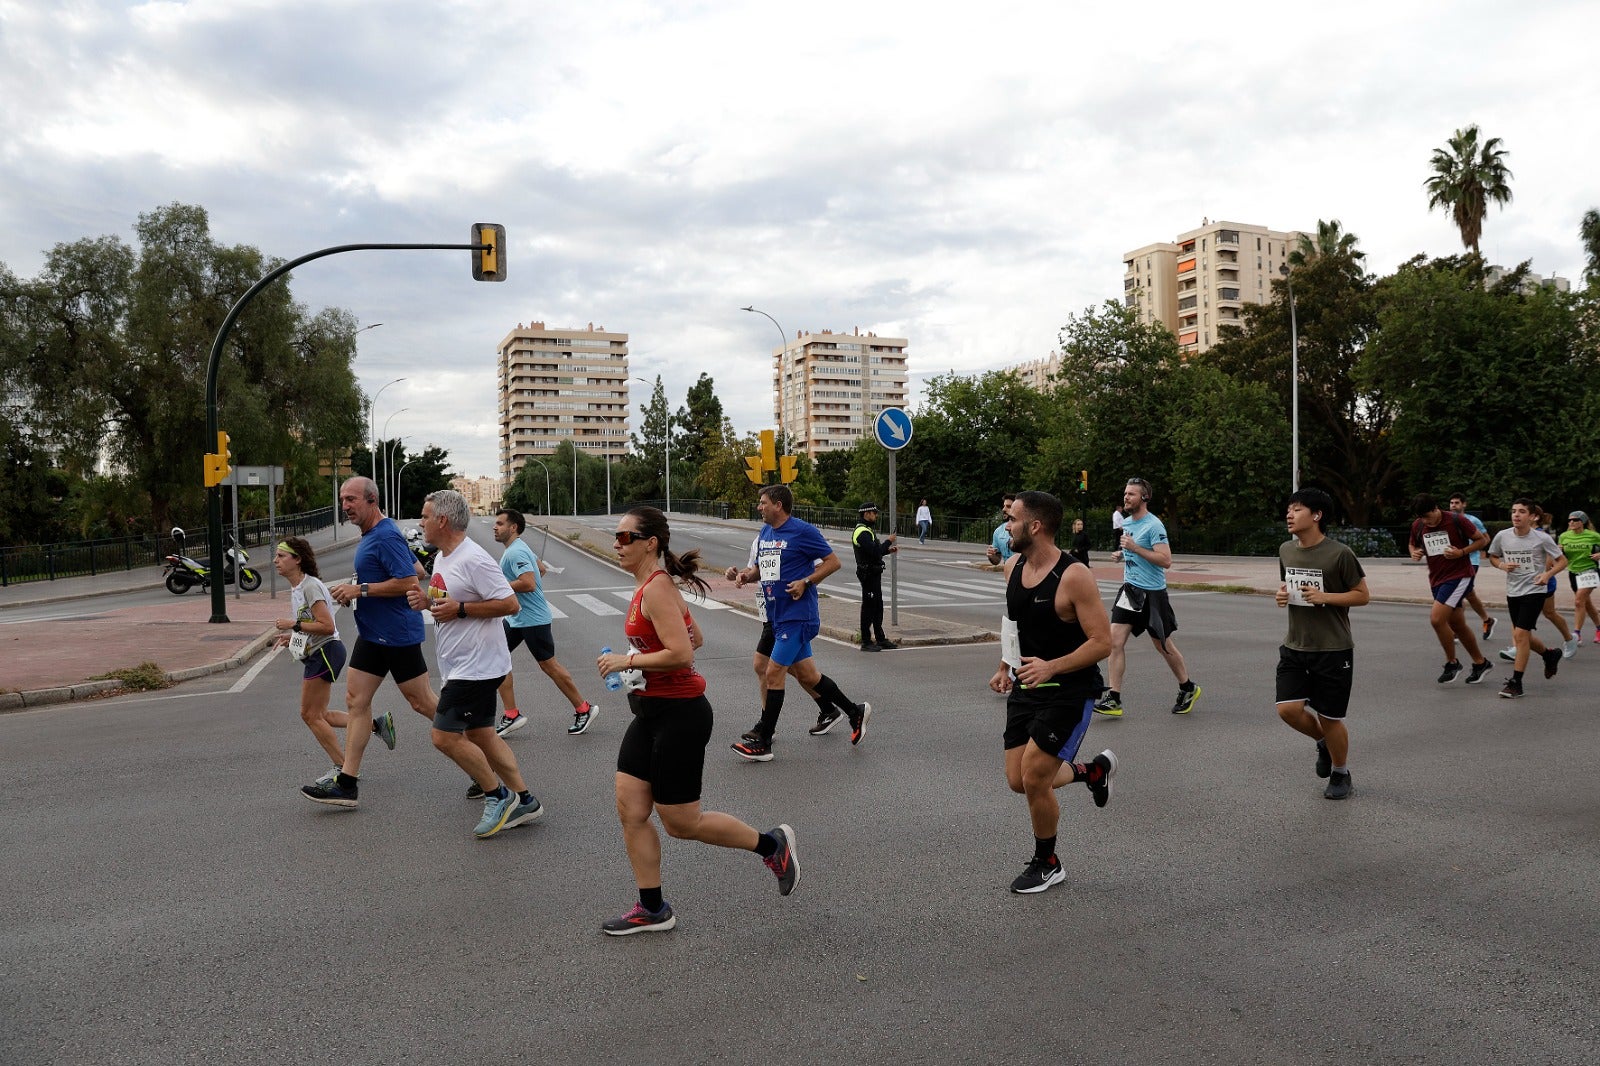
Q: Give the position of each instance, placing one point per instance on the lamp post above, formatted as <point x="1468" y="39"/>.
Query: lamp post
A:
<point x="383" y="443"/>
<point x="388" y="465"/>
<point x="546" y="470"/>
<point x="783" y="342"/>
<point x="372" y="416"/>
<point x="669" y="450"/>
<point x="1294" y="384"/>
<point x="399" y="475"/>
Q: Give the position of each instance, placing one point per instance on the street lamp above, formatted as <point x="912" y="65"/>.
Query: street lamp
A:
<point x="388" y="466"/>
<point x="546" y="470"/>
<point x="384" y="443"/>
<point x="372" y="415"/>
<point x="783" y="342"/>
<point x="1294" y="383"/>
<point x="669" y="448"/>
<point x="401" y="474"/>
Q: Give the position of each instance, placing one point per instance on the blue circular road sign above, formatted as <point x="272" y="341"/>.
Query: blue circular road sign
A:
<point x="893" y="428"/>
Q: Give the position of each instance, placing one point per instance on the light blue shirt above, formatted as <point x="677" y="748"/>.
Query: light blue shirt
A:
<point x="1479" y="526"/>
<point x="1001" y="541"/>
<point x="532" y="610"/>
<point x="1138" y="571"/>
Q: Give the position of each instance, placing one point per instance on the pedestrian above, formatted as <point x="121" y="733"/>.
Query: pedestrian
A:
<point x="532" y="625"/>
<point x="312" y="636"/>
<point x="1321" y="581"/>
<point x="1116" y="525"/>
<point x="1447" y="540"/>
<point x="1056" y="633"/>
<point x="1581" y="545"/>
<point x="467" y="597"/>
<point x="388" y="636"/>
<point x="1142" y="605"/>
<point x="1530" y="559"/>
<point x="1000" y="540"/>
<point x="924" y="522"/>
<point x="789" y="570"/>
<point x="661" y="762"/>
<point x="870" y="553"/>
<point x="1080" y="542"/>
<point x="1458" y="504"/>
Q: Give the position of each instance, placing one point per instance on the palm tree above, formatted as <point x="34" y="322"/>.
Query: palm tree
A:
<point x="1331" y="240"/>
<point x="1466" y="178"/>
<point x="1590" y="232"/>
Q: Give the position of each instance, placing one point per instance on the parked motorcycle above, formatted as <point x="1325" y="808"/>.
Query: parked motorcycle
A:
<point x="184" y="572"/>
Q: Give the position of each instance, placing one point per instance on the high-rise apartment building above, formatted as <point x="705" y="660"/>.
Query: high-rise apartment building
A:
<point x="1036" y="373"/>
<point x="1202" y="280"/>
<point x="561" y="385"/>
<point x="829" y="387"/>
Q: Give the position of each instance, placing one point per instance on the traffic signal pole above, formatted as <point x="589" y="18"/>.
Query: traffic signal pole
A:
<point x="488" y="265"/>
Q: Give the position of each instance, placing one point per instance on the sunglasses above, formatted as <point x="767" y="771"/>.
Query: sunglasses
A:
<point x="628" y="536"/>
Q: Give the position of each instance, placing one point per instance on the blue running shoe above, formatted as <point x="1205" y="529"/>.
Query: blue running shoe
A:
<point x="384" y="727"/>
<point x="495" y="813"/>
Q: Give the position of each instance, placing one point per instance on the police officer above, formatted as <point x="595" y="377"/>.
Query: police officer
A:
<point x="869" y="569"/>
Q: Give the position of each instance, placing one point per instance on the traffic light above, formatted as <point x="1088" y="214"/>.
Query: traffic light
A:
<point x="753" y="463"/>
<point x="786" y="470"/>
<point x="218" y="464"/>
<point x="1083" y="481"/>
<point x="489" y="261"/>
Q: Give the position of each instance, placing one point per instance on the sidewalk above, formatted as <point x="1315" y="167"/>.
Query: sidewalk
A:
<point x="43" y="662"/>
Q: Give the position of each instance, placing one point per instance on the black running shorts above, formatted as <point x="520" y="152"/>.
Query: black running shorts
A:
<point x="1319" y="678"/>
<point x="402" y="662"/>
<point x="465" y="705"/>
<point x="665" y="744"/>
<point x="539" y="639"/>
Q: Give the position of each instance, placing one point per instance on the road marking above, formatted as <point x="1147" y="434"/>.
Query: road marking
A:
<point x="691" y="599"/>
<point x="250" y="674"/>
<point x="594" y="605"/>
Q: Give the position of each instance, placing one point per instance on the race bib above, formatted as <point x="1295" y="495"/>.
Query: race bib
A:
<point x="1301" y="580"/>
<point x="1436" y="543"/>
<point x="1524" y="561"/>
<point x="298" y="643"/>
<point x="770" y="565"/>
<point x="1010" y="644"/>
<point x="761" y="607"/>
<point x="1589" y="579"/>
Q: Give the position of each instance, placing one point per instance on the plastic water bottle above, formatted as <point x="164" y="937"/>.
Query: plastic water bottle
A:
<point x="613" y="679"/>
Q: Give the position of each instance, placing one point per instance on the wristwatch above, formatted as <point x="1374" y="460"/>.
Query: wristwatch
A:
<point x="461" y="610"/>
<point x="297" y="628"/>
<point x="363" y="588"/>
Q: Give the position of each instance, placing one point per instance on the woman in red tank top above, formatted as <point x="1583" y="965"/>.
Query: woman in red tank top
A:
<point x="662" y="758"/>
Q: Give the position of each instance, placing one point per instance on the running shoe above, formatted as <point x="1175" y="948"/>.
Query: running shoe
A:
<point x="328" y="778"/>
<point x="756" y="750"/>
<point x="1339" y="786"/>
<point x="751" y="734"/>
<point x="825" y="720"/>
<point x="870" y="647"/>
<point x="1187" y="698"/>
<point x="1452" y="670"/>
<point x="1569" y="648"/>
<point x="639" y="920"/>
<point x="858" y="722"/>
<point x="495" y="813"/>
<point x="887" y="645"/>
<point x="1039" y="875"/>
<point x="1324" y="760"/>
<point x="1478" y="673"/>
<point x="525" y="813"/>
<point x="474" y="792"/>
<point x="1108" y="705"/>
<point x="384" y="727"/>
<point x="511" y="725"/>
<point x="1488" y="626"/>
<point x="1508" y="654"/>
<point x="333" y="794"/>
<point x="1597" y="634"/>
<point x="581" y="718"/>
<point x="1552" y="661"/>
<point x="1512" y="690"/>
<point x="1101" y="790"/>
<point x="785" y="862"/>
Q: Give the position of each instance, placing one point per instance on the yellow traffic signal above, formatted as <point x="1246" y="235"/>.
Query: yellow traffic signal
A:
<point x="489" y="252"/>
<point x="218" y="464"/>
<point x="1083" y="481"/>
<point x="786" y="470"/>
<point x="769" y="448"/>
<point x="753" y="471"/>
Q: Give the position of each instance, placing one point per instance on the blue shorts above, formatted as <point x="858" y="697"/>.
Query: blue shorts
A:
<point x="324" y="663"/>
<point x="791" y="641"/>
<point x="1452" y="593"/>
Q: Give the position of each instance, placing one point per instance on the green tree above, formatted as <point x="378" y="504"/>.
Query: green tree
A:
<point x="1467" y="177"/>
<point x="1589" y="231"/>
<point x="1331" y="240"/>
<point x="698" y="425"/>
<point x="833" y="470"/>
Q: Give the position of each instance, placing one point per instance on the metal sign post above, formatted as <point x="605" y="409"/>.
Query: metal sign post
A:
<point x="893" y="430"/>
<point x="251" y="477"/>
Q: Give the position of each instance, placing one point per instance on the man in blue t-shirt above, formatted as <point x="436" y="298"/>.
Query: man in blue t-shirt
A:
<point x="787" y="554"/>
<point x="1458" y="504"/>
<point x="1141" y="604"/>
<point x="1000" y="539"/>
<point x="389" y="635"/>
<point x="531" y="625"/>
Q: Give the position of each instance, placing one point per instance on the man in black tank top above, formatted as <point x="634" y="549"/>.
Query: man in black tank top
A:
<point x="1054" y="635"/>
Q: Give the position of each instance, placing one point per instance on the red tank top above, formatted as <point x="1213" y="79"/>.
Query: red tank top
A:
<point x="683" y="683"/>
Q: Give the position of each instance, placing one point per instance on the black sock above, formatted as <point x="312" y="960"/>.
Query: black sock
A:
<point x="1089" y="773"/>
<point x="1115" y="696"/>
<point x="766" y="845"/>
<point x="499" y="792"/>
<point x="826" y="689"/>
<point x="773" y="706"/>
<point x="1044" y="848"/>
<point x="823" y="704"/>
<point x="650" y="899"/>
<point x="1187" y="686"/>
<point x="526" y="798"/>
<point x="1516" y="675"/>
<point x="346" y="781"/>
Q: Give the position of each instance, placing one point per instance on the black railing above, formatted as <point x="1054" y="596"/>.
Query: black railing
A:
<point x="47" y="562"/>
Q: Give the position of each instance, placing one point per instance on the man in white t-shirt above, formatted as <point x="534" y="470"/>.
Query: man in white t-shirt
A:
<point x="468" y="596"/>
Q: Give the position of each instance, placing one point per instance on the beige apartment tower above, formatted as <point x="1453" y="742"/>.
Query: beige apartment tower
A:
<point x="561" y="385"/>
<point x="829" y="387"/>
<point x="1202" y="280"/>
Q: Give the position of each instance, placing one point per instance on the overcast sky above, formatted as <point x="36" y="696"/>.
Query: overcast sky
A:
<point x="964" y="175"/>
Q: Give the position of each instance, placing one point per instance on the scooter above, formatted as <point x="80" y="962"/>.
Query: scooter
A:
<point x="426" y="553"/>
<point x="184" y="572"/>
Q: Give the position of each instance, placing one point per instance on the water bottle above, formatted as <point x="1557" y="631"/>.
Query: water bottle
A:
<point x="613" y="679"/>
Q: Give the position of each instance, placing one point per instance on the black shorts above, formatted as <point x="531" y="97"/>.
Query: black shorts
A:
<point x="1319" y="678"/>
<point x="1050" y="717"/>
<point x="403" y="661"/>
<point x="764" y="645"/>
<point x="1147" y="610"/>
<point x="665" y="744"/>
<point x="1525" y="610"/>
<point x="465" y="705"/>
<point x="539" y="639"/>
<point x="325" y="662"/>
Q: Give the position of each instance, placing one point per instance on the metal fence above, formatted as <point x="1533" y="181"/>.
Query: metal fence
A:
<point x="46" y="562"/>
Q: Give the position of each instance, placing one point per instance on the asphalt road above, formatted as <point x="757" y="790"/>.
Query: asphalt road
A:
<point x="167" y="897"/>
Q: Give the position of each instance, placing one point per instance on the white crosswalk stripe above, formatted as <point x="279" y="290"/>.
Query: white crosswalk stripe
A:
<point x="593" y="604"/>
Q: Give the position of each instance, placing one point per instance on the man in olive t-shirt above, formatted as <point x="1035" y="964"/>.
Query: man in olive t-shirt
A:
<point x="1322" y="580"/>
